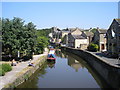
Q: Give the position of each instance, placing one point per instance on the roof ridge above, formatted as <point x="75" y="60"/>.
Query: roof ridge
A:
<point x="117" y="20"/>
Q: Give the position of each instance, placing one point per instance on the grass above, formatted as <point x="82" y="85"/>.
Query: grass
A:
<point x="5" y="68"/>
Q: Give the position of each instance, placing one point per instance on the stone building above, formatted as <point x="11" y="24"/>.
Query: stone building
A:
<point x="113" y="38"/>
<point x="56" y="35"/>
<point x="65" y="32"/>
<point x="99" y="39"/>
<point x="77" y="39"/>
<point x="89" y="36"/>
<point x="64" y="39"/>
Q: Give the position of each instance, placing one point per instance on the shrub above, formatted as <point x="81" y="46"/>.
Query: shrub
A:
<point x="2" y="72"/>
<point x="93" y="47"/>
<point x="6" y="67"/>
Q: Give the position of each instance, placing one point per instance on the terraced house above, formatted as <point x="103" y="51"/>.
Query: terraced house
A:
<point x="113" y="38"/>
<point x="77" y="39"/>
<point x="99" y="39"/>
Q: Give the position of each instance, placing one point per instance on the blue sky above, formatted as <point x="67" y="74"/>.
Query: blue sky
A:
<point x="63" y="14"/>
<point x="119" y="9"/>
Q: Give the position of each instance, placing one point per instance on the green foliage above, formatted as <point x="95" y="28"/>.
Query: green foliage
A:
<point x="18" y="37"/>
<point x="42" y="42"/>
<point x="23" y="38"/>
<point x="5" y="68"/>
<point x="44" y="32"/>
<point x="93" y="47"/>
<point x="2" y="72"/>
<point x="93" y="30"/>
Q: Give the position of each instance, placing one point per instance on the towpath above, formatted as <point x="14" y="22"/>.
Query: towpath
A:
<point x="112" y="61"/>
<point x="10" y="76"/>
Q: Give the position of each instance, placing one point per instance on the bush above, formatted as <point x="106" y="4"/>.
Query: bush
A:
<point x="93" y="47"/>
<point x="2" y="72"/>
<point x="4" y="68"/>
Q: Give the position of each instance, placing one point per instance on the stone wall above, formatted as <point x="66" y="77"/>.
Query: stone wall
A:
<point x="110" y="73"/>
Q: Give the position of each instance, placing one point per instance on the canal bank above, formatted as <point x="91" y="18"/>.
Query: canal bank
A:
<point x="67" y="71"/>
<point x="109" y="71"/>
<point x="22" y="72"/>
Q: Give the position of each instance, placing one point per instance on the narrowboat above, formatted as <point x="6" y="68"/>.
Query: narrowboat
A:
<point x="51" y="54"/>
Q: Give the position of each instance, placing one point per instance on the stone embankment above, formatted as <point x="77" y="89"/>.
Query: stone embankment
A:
<point x="22" y="72"/>
<point x="108" y="71"/>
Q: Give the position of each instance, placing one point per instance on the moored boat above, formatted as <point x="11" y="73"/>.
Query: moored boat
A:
<point x="51" y="55"/>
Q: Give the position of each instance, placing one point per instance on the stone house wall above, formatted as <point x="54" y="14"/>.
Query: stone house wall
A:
<point x="113" y="38"/>
<point x="81" y="43"/>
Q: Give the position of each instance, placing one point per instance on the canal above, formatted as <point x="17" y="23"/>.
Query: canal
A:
<point x="67" y="71"/>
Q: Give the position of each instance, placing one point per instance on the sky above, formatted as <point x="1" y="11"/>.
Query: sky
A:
<point x="63" y="14"/>
<point x="119" y="9"/>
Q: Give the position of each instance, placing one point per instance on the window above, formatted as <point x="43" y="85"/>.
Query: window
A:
<point x="113" y="33"/>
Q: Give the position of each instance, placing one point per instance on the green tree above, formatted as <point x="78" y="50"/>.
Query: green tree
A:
<point x="42" y="42"/>
<point x="93" y="30"/>
<point x="29" y="38"/>
<point x="19" y="39"/>
<point x="6" y="36"/>
<point x="93" y="47"/>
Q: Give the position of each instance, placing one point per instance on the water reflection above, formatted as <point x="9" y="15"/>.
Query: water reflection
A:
<point x="33" y="80"/>
<point x="67" y="71"/>
<point x="60" y="54"/>
<point x="101" y="82"/>
<point x="51" y="63"/>
<point x="74" y="64"/>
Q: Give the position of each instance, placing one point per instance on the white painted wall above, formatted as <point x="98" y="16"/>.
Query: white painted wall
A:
<point x="80" y="41"/>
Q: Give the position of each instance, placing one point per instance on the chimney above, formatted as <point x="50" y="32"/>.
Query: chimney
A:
<point x="97" y="28"/>
<point x="90" y="28"/>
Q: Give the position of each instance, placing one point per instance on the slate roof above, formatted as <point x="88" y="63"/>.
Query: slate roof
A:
<point x="118" y="20"/>
<point x="102" y="31"/>
<point x="89" y="33"/>
<point x="74" y="29"/>
<point x="79" y="37"/>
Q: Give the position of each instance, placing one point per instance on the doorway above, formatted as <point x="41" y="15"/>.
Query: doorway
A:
<point x="102" y="46"/>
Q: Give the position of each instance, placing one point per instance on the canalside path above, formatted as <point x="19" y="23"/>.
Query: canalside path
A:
<point x="111" y="61"/>
<point x="10" y="76"/>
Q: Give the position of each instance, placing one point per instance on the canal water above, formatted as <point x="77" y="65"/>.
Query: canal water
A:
<point x="67" y="71"/>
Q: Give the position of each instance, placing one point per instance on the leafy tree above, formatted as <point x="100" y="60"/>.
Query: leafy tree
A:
<point x="44" y="32"/>
<point x="93" y="30"/>
<point x="7" y="35"/>
<point x="29" y="38"/>
<point x="0" y="36"/>
<point x="42" y="42"/>
<point x="19" y="39"/>
<point x="93" y="47"/>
